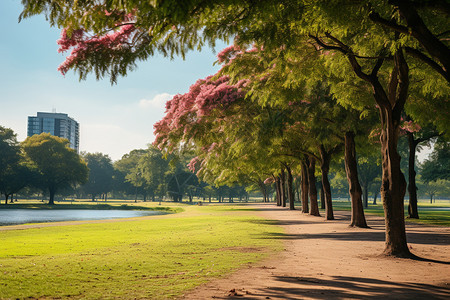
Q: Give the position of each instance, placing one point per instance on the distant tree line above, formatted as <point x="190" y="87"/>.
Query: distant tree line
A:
<point x="45" y="164"/>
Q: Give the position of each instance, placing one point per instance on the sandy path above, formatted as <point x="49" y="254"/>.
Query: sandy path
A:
<point x="329" y="260"/>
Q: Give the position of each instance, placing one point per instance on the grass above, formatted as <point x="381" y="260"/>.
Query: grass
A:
<point x="429" y="214"/>
<point x="152" y="258"/>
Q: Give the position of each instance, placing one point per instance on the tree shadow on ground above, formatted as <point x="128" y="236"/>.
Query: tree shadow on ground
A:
<point x="279" y="222"/>
<point x="342" y="287"/>
<point x="425" y="238"/>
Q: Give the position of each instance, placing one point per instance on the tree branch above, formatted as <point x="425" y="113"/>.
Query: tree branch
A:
<point x="376" y="18"/>
<point x="419" y="55"/>
<point x="422" y="34"/>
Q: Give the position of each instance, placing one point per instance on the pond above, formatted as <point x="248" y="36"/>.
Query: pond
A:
<point x="22" y="216"/>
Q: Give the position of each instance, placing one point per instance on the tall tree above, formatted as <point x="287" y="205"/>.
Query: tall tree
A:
<point x="128" y="165"/>
<point x="14" y="174"/>
<point x="57" y="164"/>
<point x="154" y="168"/>
<point x="100" y="174"/>
<point x="437" y="166"/>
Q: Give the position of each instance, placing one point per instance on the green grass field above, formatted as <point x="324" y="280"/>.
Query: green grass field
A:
<point x="152" y="258"/>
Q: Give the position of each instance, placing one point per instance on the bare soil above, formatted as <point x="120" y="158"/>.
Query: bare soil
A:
<point x="330" y="260"/>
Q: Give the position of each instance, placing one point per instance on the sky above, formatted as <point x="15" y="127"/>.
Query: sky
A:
<point x="113" y="119"/>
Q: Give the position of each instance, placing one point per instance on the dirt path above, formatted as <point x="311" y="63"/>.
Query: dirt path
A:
<point x="329" y="260"/>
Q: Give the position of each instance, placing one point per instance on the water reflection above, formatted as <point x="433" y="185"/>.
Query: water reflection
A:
<point x="22" y="216"/>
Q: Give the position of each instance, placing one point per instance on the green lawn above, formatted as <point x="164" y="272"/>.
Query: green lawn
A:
<point x="152" y="258"/>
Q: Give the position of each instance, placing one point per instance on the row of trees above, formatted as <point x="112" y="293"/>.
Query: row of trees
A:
<point x="388" y="57"/>
<point x="147" y="173"/>
<point x="41" y="161"/>
<point x="45" y="162"/>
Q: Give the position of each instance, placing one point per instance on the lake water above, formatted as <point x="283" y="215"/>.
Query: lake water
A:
<point x="22" y="216"/>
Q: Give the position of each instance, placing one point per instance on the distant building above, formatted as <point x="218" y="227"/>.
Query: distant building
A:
<point x="56" y="124"/>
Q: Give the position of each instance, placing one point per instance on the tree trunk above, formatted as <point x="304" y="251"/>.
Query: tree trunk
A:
<point x="393" y="187"/>
<point x="290" y="188"/>
<point x="358" y="219"/>
<point x="264" y="192"/>
<point x="283" y="187"/>
<point x="322" y="196"/>
<point x="325" y="167"/>
<point x="375" y="196"/>
<point x="365" y="189"/>
<point x="413" y="212"/>
<point x="6" y="198"/>
<point x="305" y="188"/>
<point x="278" y="190"/>
<point x="312" y="187"/>
<point x="51" y="201"/>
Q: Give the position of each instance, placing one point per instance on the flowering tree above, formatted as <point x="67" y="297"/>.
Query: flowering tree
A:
<point x="215" y="121"/>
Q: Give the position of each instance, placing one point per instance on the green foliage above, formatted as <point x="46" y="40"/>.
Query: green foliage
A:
<point x="57" y="165"/>
<point x="14" y="174"/>
<point x="100" y="174"/>
<point x="153" y="168"/>
<point x="438" y="164"/>
<point x="128" y="165"/>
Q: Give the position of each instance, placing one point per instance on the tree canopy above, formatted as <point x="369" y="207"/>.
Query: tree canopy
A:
<point x="57" y="165"/>
<point x="101" y="171"/>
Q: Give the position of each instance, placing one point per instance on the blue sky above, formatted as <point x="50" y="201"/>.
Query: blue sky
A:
<point x="113" y="119"/>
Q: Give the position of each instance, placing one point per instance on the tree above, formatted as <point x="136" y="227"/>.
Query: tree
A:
<point x="181" y="180"/>
<point x="153" y="168"/>
<point x="369" y="168"/>
<point x="438" y="164"/>
<point x="440" y="187"/>
<point x="14" y="174"/>
<point x="128" y="165"/>
<point x="58" y="166"/>
<point x="100" y="174"/>
<point x="415" y="135"/>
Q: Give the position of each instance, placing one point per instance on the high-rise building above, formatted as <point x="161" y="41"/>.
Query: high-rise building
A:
<point x="56" y="124"/>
